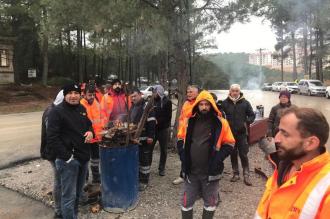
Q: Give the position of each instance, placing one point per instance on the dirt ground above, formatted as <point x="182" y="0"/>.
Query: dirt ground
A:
<point x="25" y="98"/>
<point x="161" y="198"/>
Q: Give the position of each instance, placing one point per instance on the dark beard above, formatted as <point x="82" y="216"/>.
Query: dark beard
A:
<point x="117" y="90"/>
<point x="290" y="154"/>
<point x="204" y="114"/>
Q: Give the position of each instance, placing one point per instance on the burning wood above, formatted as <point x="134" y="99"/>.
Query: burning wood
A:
<point x="116" y="135"/>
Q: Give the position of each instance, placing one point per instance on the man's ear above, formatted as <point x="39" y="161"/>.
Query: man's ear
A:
<point x="311" y="143"/>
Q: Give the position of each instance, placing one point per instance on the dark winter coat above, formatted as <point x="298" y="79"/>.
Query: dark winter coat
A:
<point x="239" y="114"/>
<point x="67" y="125"/>
<point x="163" y="113"/>
<point x="45" y="153"/>
<point x="274" y="118"/>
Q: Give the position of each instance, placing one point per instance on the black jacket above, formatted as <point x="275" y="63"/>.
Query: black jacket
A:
<point x="45" y="152"/>
<point x="239" y="114"/>
<point x="136" y="112"/>
<point x="67" y="125"/>
<point x="274" y="118"/>
<point x="163" y="112"/>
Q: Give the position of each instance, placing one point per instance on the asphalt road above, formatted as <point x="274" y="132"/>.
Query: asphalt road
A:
<point x="19" y="137"/>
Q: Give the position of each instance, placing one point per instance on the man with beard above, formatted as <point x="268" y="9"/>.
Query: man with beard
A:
<point x="192" y="93"/>
<point x="240" y="115"/>
<point x="146" y="138"/>
<point x="207" y="142"/>
<point x="114" y="105"/>
<point x="163" y="113"/>
<point x="68" y="133"/>
<point x="300" y="185"/>
<point x="93" y="109"/>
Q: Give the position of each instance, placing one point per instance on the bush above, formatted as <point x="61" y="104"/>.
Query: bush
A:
<point x="59" y="81"/>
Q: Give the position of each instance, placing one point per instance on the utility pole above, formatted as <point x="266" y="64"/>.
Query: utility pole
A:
<point x="260" y="64"/>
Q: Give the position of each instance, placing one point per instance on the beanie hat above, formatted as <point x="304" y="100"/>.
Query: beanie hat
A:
<point x="285" y="93"/>
<point x="71" y="87"/>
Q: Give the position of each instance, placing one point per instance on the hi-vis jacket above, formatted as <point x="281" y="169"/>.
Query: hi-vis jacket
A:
<point x="111" y="100"/>
<point x="183" y="119"/>
<point x="94" y="115"/>
<point x="221" y="140"/>
<point x="305" y="195"/>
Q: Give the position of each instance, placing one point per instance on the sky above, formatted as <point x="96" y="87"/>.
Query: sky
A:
<point x="248" y="37"/>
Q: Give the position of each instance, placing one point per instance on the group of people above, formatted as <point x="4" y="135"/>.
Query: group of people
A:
<point x="208" y="133"/>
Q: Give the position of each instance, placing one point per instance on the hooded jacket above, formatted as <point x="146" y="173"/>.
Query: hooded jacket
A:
<point x="239" y="114"/>
<point x="221" y="141"/>
<point x="274" y="118"/>
<point x="183" y="118"/>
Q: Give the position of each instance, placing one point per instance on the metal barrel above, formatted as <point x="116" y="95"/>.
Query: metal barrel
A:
<point x="119" y="178"/>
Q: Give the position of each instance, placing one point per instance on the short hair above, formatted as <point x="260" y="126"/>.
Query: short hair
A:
<point x="235" y="86"/>
<point x="215" y="98"/>
<point x="90" y="89"/>
<point x="311" y="122"/>
<point x="192" y="86"/>
<point x="136" y="90"/>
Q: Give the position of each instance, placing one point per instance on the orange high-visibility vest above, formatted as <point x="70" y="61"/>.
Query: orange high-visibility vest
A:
<point x="107" y="104"/>
<point x="183" y="118"/>
<point x="305" y="195"/>
<point x="94" y="115"/>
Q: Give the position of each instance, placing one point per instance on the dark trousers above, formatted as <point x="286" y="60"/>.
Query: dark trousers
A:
<point x="145" y="159"/>
<point x="242" y="149"/>
<point x="94" y="163"/>
<point x="162" y="137"/>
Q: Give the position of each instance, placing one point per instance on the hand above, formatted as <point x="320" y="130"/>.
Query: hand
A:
<point x="88" y="136"/>
<point x="150" y="140"/>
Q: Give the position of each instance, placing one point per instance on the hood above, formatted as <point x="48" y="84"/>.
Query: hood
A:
<point x="205" y="95"/>
<point x="59" y="98"/>
<point x="159" y="89"/>
<point x="241" y="97"/>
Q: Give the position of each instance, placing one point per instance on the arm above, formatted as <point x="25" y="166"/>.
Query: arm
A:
<point x="151" y="125"/>
<point x="249" y="113"/>
<point x="271" y="120"/>
<point x="54" y="140"/>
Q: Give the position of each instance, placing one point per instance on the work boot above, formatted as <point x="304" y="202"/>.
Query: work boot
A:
<point x="178" y="181"/>
<point x="161" y="172"/>
<point x="235" y="178"/>
<point x="247" y="180"/>
<point x="142" y="186"/>
<point x="187" y="214"/>
<point x="207" y="214"/>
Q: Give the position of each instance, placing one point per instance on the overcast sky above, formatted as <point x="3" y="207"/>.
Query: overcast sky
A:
<point x="246" y="37"/>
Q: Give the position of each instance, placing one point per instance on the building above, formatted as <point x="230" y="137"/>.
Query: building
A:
<point x="6" y="60"/>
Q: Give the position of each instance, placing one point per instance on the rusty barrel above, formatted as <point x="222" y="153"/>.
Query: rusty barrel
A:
<point x="119" y="177"/>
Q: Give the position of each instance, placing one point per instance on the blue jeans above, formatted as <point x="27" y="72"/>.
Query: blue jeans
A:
<point x="72" y="176"/>
<point x="56" y="189"/>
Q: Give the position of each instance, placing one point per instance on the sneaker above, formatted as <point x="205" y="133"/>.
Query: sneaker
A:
<point x="142" y="187"/>
<point x="247" y="181"/>
<point x="235" y="178"/>
<point x="161" y="172"/>
<point x="178" y="181"/>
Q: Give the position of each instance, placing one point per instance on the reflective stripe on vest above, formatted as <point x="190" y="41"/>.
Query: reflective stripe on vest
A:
<point x="315" y="197"/>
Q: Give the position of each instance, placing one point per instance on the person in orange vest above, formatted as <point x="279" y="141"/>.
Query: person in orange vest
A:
<point x="300" y="184"/>
<point x="192" y="93"/>
<point x="93" y="110"/>
<point x="114" y="105"/>
<point x="207" y="142"/>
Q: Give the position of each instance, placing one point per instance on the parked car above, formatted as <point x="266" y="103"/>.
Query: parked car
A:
<point x="311" y="87"/>
<point x="292" y="87"/>
<point x="266" y="87"/>
<point x="147" y="91"/>
<point x="276" y="86"/>
<point x="327" y="92"/>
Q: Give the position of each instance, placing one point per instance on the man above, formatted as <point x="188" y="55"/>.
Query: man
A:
<point x="240" y="115"/>
<point x="114" y="105"/>
<point x="192" y="93"/>
<point x="163" y="113"/>
<point x="275" y="113"/>
<point x="46" y="153"/>
<point x="69" y="131"/>
<point x="146" y="138"/>
<point x="300" y="185"/>
<point x="207" y="143"/>
<point x="93" y="112"/>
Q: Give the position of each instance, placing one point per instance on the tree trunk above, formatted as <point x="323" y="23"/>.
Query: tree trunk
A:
<point x="282" y="54"/>
<point x="45" y="58"/>
<point x="293" y="38"/>
<point x="305" y="50"/>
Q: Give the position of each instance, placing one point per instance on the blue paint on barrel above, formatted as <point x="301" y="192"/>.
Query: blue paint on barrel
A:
<point x="119" y="177"/>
